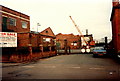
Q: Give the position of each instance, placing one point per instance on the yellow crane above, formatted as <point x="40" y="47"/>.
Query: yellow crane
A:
<point x="79" y="30"/>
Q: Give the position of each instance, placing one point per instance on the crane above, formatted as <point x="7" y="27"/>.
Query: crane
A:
<point x="78" y="30"/>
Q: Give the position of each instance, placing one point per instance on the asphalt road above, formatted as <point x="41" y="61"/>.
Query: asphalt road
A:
<point x="76" y="66"/>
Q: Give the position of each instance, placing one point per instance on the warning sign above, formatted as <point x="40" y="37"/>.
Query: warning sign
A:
<point x="8" y="39"/>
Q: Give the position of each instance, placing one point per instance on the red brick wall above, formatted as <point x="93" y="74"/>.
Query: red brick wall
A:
<point x="35" y="56"/>
<point x="116" y="28"/>
<point x="0" y="19"/>
<point x="23" y="40"/>
<point x="119" y="30"/>
<point x="35" y="40"/>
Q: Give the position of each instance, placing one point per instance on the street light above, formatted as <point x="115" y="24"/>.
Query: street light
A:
<point x="38" y="24"/>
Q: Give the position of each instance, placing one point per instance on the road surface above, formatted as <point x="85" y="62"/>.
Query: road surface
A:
<point x="74" y="66"/>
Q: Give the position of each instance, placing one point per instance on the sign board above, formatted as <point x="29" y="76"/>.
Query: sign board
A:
<point x="86" y="39"/>
<point x="8" y="39"/>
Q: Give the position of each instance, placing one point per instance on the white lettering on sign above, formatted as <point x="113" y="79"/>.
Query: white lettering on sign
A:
<point x="8" y="39"/>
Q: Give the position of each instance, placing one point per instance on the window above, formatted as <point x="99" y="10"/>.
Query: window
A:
<point x="46" y="31"/>
<point x="4" y="23"/>
<point x="74" y="44"/>
<point x="46" y="39"/>
<point x="12" y="21"/>
<point x="24" y="24"/>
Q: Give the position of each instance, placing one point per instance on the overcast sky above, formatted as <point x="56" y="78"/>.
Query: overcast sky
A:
<point x="93" y="15"/>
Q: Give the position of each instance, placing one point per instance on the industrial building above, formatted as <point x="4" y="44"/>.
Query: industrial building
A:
<point x="73" y="41"/>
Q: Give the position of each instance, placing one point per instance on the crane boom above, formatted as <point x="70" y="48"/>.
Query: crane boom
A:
<point x="78" y="30"/>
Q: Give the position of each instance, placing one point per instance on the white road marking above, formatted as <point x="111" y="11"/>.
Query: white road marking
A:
<point x="96" y="68"/>
<point x="75" y="67"/>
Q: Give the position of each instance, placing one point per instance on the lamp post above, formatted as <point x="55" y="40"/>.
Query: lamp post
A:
<point x="38" y="24"/>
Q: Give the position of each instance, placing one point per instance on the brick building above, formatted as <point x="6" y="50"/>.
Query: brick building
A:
<point x="30" y="45"/>
<point x="14" y="21"/>
<point x="48" y="39"/>
<point x="115" y="20"/>
<point x="48" y="31"/>
<point x="43" y="42"/>
<point x="73" y="41"/>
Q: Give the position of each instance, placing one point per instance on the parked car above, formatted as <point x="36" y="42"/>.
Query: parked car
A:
<point x="99" y="51"/>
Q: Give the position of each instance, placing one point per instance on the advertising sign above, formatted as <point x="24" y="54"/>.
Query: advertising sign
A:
<point x="8" y="39"/>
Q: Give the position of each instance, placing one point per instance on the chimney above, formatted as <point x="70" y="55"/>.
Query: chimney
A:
<point x="115" y="2"/>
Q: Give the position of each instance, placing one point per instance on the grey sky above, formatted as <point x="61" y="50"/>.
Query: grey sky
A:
<point x="93" y="15"/>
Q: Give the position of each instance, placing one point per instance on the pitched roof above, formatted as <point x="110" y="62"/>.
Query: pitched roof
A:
<point x="67" y="35"/>
<point x="48" y="31"/>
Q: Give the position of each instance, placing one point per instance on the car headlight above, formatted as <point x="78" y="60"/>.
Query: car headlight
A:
<point x="82" y="50"/>
<point x="88" y="50"/>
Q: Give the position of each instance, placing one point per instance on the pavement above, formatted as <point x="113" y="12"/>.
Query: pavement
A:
<point x="14" y="64"/>
<point x="9" y="64"/>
